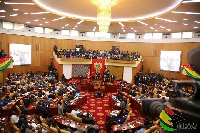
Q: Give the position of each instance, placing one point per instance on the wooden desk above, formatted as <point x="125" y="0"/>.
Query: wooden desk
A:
<point x="8" y="108"/>
<point x="126" y="126"/>
<point x="54" y="105"/>
<point x="87" y="87"/>
<point x="63" y="120"/>
<point x="78" y="103"/>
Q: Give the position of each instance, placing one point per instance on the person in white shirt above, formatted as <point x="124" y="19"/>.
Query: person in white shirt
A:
<point x="75" y="112"/>
<point x="15" y="117"/>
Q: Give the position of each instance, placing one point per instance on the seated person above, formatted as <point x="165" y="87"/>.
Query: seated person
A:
<point x="22" y="123"/>
<point x="60" y="108"/>
<point x="75" y="112"/>
<point x="88" y="119"/>
<point x="1" y="104"/>
<point x="15" y="118"/>
<point x="113" y="121"/>
<point x="119" y="95"/>
<point x="40" y="93"/>
<point x="132" y="93"/>
<point x="24" y="111"/>
<point x="6" y="99"/>
<point x="51" y="122"/>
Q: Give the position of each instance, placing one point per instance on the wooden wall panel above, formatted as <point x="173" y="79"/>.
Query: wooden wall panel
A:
<point x="117" y="71"/>
<point x="41" y="57"/>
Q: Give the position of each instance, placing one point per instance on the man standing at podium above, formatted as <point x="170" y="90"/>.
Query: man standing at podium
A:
<point x="97" y="75"/>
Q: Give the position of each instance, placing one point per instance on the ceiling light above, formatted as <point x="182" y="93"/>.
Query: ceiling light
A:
<point x="135" y="31"/>
<point x="151" y="27"/>
<point x="73" y="28"/>
<point x="95" y="27"/>
<point x="124" y="31"/>
<point x="195" y="27"/>
<point x="2" y="11"/>
<point x="43" y="18"/>
<point x="198" y="22"/>
<point x="156" y="30"/>
<point x="191" y="1"/>
<point x="185" y="12"/>
<point x="121" y="24"/>
<point x="63" y="27"/>
<point x="2" y="16"/>
<point x="15" y="9"/>
<point x="185" y="24"/>
<point x="122" y="28"/>
<point x="13" y="15"/>
<point x="104" y="13"/>
<point x="185" y="19"/>
<point x="168" y="30"/>
<point x="25" y="13"/>
<point x="131" y="28"/>
<point x="39" y="12"/>
<point x="66" y="24"/>
<point x="40" y="24"/>
<point x="18" y="3"/>
<point x="36" y="20"/>
<point x="28" y="22"/>
<point x="46" y="22"/>
<point x="76" y="26"/>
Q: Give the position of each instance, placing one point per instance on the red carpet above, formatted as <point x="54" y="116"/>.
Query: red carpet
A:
<point x="100" y="107"/>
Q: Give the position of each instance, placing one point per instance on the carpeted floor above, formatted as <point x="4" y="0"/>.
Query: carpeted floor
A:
<point x="100" y="107"/>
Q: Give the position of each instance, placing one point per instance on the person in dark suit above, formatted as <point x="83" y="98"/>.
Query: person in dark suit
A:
<point x="113" y="121"/>
<point x="97" y="75"/>
<point x="112" y="77"/>
<point x="22" y="123"/>
<point x="24" y="111"/>
<point x="132" y="93"/>
<point x="6" y="99"/>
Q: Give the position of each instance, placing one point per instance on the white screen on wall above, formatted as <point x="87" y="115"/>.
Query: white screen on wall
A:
<point x="21" y="53"/>
<point x="170" y="60"/>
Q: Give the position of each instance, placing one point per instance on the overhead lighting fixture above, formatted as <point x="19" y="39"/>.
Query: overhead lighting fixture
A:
<point x="25" y="13"/>
<point x="151" y="28"/>
<point x="191" y="1"/>
<point x="18" y="3"/>
<point x="66" y="24"/>
<point x="168" y="30"/>
<point x="80" y="22"/>
<point x="15" y="9"/>
<point x="46" y="22"/>
<point x="2" y="11"/>
<point x="135" y="31"/>
<point x="185" y="19"/>
<point x="40" y="24"/>
<point x="63" y="27"/>
<point x="13" y="15"/>
<point x="186" y="12"/>
<point x="121" y="24"/>
<point x="73" y="28"/>
<point x="76" y="26"/>
<point x="131" y="28"/>
<point x="39" y="13"/>
<point x="124" y="31"/>
<point x="185" y="24"/>
<point x="28" y="22"/>
<point x="104" y="13"/>
<point x="165" y="19"/>
<point x="2" y="16"/>
<point x="195" y="27"/>
<point x="43" y="18"/>
<point x="36" y="20"/>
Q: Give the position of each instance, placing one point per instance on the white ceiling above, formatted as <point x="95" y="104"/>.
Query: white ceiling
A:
<point x="143" y="15"/>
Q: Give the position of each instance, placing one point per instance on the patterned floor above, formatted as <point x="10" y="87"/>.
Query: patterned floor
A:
<point x="100" y="107"/>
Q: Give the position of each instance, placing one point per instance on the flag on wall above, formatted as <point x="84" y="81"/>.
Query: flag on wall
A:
<point x="97" y="65"/>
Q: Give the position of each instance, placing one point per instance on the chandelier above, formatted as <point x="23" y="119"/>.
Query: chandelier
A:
<point x="104" y="13"/>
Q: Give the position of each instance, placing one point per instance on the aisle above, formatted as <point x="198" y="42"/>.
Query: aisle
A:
<point x="99" y="107"/>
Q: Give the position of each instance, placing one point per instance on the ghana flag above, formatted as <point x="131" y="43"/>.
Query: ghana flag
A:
<point x="187" y="70"/>
<point x="5" y="62"/>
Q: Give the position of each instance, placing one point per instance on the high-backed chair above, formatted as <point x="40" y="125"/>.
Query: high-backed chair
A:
<point x="53" y="129"/>
<point x="22" y="102"/>
<point x="70" y="116"/>
<point x="18" y="110"/>
<point x="63" y="131"/>
<point x="8" y="89"/>
<point x="130" y="112"/>
<point x="129" y="107"/>
<point x="16" y="129"/>
<point x="45" y="125"/>
<point x="128" y="100"/>
<point x="42" y="120"/>
<point x="10" y="96"/>
<point x="128" y="119"/>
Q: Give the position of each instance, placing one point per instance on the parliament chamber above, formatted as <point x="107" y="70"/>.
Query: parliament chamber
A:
<point x="65" y="68"/>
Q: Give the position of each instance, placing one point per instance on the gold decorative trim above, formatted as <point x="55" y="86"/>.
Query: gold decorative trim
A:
<point x="111" y="21"/>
